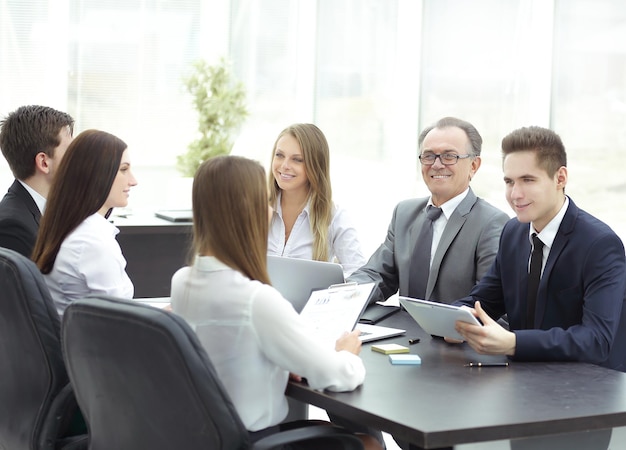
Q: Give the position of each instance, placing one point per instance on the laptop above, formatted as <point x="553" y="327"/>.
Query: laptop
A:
<point x="296" y="278"/>
<point x="437" y="319"/>
<point x="370" y="333"/>
<point x="175" y="215"/>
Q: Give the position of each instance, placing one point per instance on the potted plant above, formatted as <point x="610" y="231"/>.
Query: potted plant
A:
<point x="220" y="102"/>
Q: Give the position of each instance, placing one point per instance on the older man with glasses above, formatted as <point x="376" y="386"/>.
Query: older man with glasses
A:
<point x="438" y="247"/>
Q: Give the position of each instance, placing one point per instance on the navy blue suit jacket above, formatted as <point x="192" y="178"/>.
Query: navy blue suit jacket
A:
<point x="579" y="314"/>
<point x="19" y="220"/>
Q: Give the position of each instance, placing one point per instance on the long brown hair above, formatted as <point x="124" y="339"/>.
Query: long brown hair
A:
<point x="230" y="214"/>
<point x="317" y="165"/>
<point x="80" y="188"/>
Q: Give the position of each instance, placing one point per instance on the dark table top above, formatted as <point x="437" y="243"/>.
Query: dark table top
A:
<point x="441" y="402"/>
<point x="145" y="222"/>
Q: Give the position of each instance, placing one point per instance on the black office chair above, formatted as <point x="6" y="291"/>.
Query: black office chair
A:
<point x="37" y="404"/>
<point x="144" y="381"/>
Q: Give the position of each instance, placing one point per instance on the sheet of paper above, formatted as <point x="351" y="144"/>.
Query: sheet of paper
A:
<point x="335" y="310"/>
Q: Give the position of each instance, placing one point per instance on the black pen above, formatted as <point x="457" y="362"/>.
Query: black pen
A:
<point x="414" y="341"/>
<point x="480" y="364"/>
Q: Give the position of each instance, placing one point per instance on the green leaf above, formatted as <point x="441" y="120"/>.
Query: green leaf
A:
<point x="220" y="101"/>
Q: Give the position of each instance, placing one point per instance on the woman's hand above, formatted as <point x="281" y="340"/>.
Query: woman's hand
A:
<point x="294" y="377"/>
<point x="349" y="342"/>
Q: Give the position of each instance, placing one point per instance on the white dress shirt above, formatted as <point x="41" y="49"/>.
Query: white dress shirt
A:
<point x="439" y="225"/>
<point x="89" y="261"/>
<point x="343" y="239"/>
<point x="254" y="338"/>
<point x="548" y="234"/>
<point x="39" y="199"/>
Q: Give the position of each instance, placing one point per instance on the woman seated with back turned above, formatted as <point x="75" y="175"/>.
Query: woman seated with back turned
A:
<point x="306" y="223"/>
<point x="76" y="249"/>
<point x="252" y="334"/>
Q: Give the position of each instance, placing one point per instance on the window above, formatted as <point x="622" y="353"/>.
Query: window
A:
<point x="370" y="73"/>
<point x="589" y="104"/>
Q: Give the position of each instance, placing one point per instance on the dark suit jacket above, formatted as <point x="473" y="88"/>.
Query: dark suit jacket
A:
<point x="580" y="297"/>
<point x="19" y="220"/>
<point x="465" y="252"/>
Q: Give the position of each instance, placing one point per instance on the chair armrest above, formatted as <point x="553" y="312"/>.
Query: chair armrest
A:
<point x="309" y="433"/>
<point x="56" y="423"/>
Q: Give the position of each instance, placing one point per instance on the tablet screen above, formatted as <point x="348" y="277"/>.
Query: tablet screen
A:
<point x="437" y="319"/>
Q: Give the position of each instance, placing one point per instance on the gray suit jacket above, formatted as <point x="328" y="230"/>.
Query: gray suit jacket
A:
<point x="465" y="252"/>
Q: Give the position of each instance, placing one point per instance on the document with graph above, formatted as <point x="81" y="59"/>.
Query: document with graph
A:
<point x="332" y="311"/>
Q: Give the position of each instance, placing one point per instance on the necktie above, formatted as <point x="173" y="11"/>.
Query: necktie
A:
<point x="420" y="260"/>
<point x="536" y="260"/>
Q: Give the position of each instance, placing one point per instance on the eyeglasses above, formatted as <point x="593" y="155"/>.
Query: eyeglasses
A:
<point x="447" y="159"/>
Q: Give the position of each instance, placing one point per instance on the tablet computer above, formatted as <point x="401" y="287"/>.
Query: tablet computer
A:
<point x="437" y="319"/>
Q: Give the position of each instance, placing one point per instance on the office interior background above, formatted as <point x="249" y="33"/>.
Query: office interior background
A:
<point x="370" y="73"/>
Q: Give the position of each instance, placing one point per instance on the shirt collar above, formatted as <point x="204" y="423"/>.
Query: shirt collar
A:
<point x="210" y="264"/>
<point x="448" y="207"/>
<point x="279" y="209"/>
<point x="548" y="234"/>
<point x="39" y="199"/>
<point x="99" y="221"/>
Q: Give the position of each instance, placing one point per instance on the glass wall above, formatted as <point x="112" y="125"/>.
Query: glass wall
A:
<point x="488" y="62"/>
<point x="370" y="73"/>
<point x="589" y="103"/>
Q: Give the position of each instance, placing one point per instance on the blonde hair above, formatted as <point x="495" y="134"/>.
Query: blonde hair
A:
<point x="230" y="214"/>
<point x="317" y="165"/>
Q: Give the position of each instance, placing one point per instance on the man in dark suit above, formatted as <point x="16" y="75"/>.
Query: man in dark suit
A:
<point x="33" y="140"/>
<point x="465" y="235"/>
<point x="577" y="313"/>
<point x="574" y="310"/>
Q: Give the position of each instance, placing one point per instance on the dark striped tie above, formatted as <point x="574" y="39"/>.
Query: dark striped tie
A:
<point x="420" y="260"/>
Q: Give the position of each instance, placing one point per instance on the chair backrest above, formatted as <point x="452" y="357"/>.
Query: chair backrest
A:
<point x="143" y="380"/>
<point x="32" y="372"/>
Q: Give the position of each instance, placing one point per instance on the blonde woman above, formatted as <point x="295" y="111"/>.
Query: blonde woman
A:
<point x="245" y="325"/>
<point x="306" y="223"/>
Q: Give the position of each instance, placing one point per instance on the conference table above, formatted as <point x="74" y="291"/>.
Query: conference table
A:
<point x="441" y="402"/>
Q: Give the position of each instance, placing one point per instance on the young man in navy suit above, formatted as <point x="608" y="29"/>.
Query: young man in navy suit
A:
<point x="33" y="140"/>
<point x="578" y="314"/>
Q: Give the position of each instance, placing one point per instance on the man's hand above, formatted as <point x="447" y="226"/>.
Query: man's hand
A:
<point x="489" y="339"/>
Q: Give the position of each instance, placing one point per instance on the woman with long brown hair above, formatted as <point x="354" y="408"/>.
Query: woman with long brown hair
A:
<point x="76" y="249"/>
<point x="306" y="223"/>
<point x="252" y="334"/>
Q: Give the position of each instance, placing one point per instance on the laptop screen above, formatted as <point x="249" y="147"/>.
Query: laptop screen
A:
<point x="296" y="278"/>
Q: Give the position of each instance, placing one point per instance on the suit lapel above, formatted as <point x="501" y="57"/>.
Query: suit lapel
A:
<point x="20" y="192"/>
<point x="560" y="242"/>
<point x="454" y="225"/>
<point x="523" y="267"/>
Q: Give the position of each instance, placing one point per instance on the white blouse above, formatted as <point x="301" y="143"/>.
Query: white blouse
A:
<point x="343" y="239"/>
<point x="254" y="338"/>
<point x="89" y="261"/>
